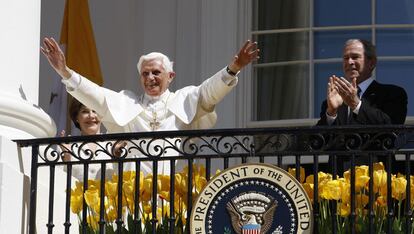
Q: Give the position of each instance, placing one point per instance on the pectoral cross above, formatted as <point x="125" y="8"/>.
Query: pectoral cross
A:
<point x="154" y="123"/>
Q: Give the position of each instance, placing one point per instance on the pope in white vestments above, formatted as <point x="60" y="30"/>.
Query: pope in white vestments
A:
<point x="192" y="107"/>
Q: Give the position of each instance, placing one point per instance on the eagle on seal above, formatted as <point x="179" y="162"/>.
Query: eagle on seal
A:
<point x="241" y="218"/>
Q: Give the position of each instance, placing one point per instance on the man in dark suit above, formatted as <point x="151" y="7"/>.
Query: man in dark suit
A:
<point x="376" y="104"/>
<point x="358" y="99"/>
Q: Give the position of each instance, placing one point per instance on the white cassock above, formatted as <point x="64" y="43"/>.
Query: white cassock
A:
<point x="192" y="107"/>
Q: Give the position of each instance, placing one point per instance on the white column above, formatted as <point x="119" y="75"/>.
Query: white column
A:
<point x="20" y="116"/>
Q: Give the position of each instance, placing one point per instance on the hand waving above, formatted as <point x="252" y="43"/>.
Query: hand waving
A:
<point x="55" y="56"/>
<point x="248" y="53"/>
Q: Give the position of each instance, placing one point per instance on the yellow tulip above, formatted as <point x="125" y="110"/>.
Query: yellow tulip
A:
<point x="362" y="170"/>
<point x="331" y="190"/>
<point x="344" y="209"/>
<point x="361" y="182"/>
<point x="398" y="187"/>
<point x="184" y="172"/>
<point x="201" y="171"/>
<point x="292" y="171"/>
<point x="361" y="177"/>
<point x="345" y="190"/>
<point x="309" y="190"/>
<point x="322" y="178"/>
<point x="163" y="183"/>
<point x="78" y="190"/>
<point x="146" y="190"/>
<point x="76" y="203"/>
<point x="128" y="175"/>
<point x="128" y="184"/>
<point x="310" y="179"/>
<point x="76" y="198"/>
<point x="180" y="182"/>
<point x="111" y="189"/>
<point x="380" y="180"/>
<point x="165" y="195"/>
<point x="92" y="199"/>
<point x="94" y="184"/>
<point x="128" y="188"/>
<point x="200" y="183"/>
<point x="114" y="178"/>
<point x="359" y="171"/>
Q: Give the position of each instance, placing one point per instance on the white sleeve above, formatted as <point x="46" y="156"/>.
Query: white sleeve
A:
<point x="229" y="80"/>
<point x="87" y="92"/>
<point x="73" y="82"/>
<point x="356" y="110"/>
<point x="214" y="89"/>
<point x="330" y="119"/>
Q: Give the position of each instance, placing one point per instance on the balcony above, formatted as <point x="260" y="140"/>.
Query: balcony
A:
<point x="310" y="149"/>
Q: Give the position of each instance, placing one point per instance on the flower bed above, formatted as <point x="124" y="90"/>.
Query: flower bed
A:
<point x="337" y="193"/>
<point x="333" y="194"/>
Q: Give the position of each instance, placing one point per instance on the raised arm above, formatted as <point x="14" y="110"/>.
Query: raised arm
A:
<point x="214" y="89"/>
<point x="248" y="53"/>
<point x="56" y="58"/>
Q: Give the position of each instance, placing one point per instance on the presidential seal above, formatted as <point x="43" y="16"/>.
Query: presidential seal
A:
<point x="252" y="199"/>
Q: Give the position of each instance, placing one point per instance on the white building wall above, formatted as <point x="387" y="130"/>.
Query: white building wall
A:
<point x="20" y="115"/>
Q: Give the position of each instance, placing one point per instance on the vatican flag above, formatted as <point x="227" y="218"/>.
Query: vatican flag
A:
<point x="77" y="36"/>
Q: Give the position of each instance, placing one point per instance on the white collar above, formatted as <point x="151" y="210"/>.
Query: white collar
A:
<point x="365" y="84"/>
<point x="147" y="99"/>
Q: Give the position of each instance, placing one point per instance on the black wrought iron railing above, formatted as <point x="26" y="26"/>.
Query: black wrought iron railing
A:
<point x="316" y="149"/>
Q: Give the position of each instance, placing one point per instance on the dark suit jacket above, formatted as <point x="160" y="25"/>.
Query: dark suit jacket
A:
<point x="381" y="104"/>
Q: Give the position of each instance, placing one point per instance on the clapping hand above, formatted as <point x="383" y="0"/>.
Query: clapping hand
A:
<point x="334" y="100"/>
<point x="348" y="91"/>
<point x="118" y="147"/>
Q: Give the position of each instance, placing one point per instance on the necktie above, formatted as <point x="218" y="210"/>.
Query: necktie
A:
<point x="350" y="113"/>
